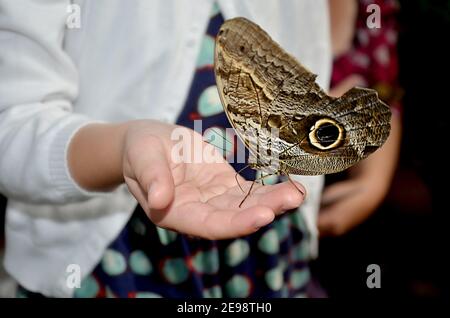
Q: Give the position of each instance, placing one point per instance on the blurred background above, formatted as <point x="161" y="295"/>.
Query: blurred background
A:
<point x="406" y="235"/>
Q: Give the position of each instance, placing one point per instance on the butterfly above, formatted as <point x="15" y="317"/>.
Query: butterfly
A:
<point x="285" y="120"/>
<point x="282" y="116"/>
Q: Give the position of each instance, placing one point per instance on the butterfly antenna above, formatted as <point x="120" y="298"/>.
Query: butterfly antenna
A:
<point x="219" y="132"/>
<point x="210" y="141"/>
<point x="289" y="177"/>
<point x="263" y="177"/>
<point x="253" y="183"/>
<point x="236" y="177"/>
<point x="214" y="145"/>
<point x="248" y="193"/>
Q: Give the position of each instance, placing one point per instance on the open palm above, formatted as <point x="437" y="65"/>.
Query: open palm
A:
<point x="199" y="199"/>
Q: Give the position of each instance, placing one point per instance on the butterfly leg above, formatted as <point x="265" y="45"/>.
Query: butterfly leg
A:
<point x="224" y="149"/>
<point x="262" y="178"/>
<point x="251" y="187"/>
<point x="236" y="177"/>
<point x="248" y="193"/>
<point x="289" y="177"/>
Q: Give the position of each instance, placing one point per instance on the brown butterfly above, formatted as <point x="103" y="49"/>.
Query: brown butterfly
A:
<point x="265" y="89"/>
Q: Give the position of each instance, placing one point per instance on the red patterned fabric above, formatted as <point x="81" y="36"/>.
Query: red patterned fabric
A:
<point x="373" y="55"/>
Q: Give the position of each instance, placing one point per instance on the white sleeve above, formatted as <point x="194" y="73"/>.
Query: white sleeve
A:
<point x="38" y="83"/>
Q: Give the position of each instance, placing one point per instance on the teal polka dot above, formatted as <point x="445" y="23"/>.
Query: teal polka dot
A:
<point x="215" y="10"/>
<point x="213" y="292"/>
<point x="220" y="139"/>
<point x="236" y="252"/>
<point x="139" y="263"/>
<point x="299" y="278"/>
<point x="147" y="295"/>
<point x="269" y="243"/>
<point x="175" y="270"/>
<point x="206" y="54"/>
<point x="298" y="221"/>
<point x="113" y="263"/>
<point x="166" y="236"/>
<point x="273" y="179"/>
<point x="274" y="278"/>
<point x="206" y="262"/>
<point x="88" y="289"/>
<point x="300" y="251"/>
<point x="282" y="227"/>
<point x="138" y="226"/>
<point x="209" y="103"/>
<point x="238" y="287"/>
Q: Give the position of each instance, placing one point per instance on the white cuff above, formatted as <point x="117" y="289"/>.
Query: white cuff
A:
<point x="65" y="186"/>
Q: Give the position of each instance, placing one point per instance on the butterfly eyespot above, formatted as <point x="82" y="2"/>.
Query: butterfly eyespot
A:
<point x="326" y="134"/>
<point x="242" y="49"/>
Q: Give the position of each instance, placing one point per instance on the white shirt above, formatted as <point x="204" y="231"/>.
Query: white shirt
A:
<point x="129" y="59"/>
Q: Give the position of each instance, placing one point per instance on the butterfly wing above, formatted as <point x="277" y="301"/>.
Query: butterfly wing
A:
<point x="251" y="70"/>
<point x="264" y="89"/>
<point x="364" y="123"/>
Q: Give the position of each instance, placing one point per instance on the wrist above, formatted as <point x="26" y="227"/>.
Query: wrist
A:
<point x="95" y="156"/>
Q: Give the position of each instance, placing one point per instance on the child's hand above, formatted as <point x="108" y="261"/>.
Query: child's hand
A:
<point x="199" y="199"/>
<point x="347" y="204"/>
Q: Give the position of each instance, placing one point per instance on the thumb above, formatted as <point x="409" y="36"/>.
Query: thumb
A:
<point x="152" y="171"/>
<point x="338" y="191"/>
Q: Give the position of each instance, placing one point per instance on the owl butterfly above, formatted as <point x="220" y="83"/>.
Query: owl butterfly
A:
<point x="265" y="89"/>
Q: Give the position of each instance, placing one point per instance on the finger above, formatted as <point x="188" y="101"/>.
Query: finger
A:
<point x="280" y="197"/>
<point x="138" y="193"/>
<point x="327" y="225"/>
<point x="153" y="173"/>
<point x="345" y="214"/>
<point x="205" y="221"/>
<point x="223" y="224"/>
<point x="336" y="222"/>
<point x="338" y="191"/>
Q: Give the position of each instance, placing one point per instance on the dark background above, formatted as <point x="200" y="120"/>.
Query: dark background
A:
<point x="407" y="236"/>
